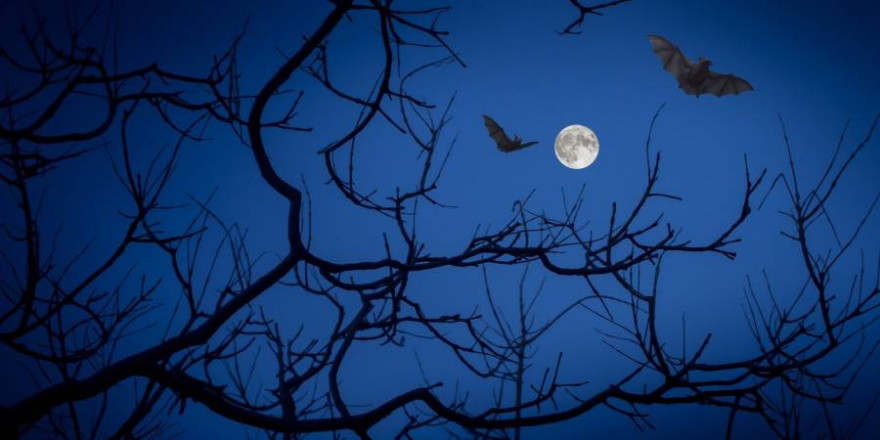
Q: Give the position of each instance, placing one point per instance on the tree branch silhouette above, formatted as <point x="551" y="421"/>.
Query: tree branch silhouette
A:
<point x="583" y="11"/>
<point x="60" y="317"/>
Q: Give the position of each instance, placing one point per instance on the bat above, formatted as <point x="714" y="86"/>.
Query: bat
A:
<point x="504" y="143"/>
<point x="696" y="78"/>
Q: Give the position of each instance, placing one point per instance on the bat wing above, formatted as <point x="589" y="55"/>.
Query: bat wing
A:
<point x="723" y="84"/>
<point x="496" y="132"/>
<point x="501" y="139"/>
<point x="671" y="57"/>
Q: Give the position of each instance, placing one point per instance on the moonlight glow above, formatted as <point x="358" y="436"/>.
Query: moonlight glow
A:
<point x="576" y="146"/>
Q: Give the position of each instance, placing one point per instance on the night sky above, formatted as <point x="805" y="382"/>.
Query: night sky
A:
<point x="814" y="64"/>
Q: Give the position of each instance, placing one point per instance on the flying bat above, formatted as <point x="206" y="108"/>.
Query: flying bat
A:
<point x="696" y="78"/>
<point x="504" y="143"/>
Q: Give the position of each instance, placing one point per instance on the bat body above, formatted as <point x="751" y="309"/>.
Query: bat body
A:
<point x="695" y="78"/>
<point x="503" y="142"/>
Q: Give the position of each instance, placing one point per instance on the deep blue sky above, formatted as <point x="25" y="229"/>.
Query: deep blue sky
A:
<point x="815" y="63"/>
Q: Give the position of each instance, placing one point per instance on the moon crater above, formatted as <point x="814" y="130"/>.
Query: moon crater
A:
<point x="576" y="146"/>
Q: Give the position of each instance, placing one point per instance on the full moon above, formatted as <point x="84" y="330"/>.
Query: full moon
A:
<point x="576" y="146"/>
